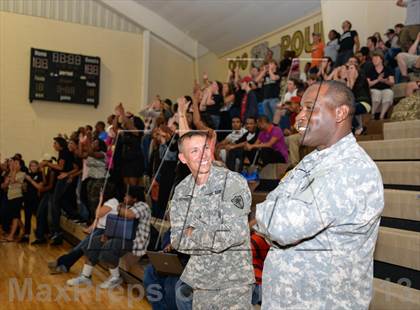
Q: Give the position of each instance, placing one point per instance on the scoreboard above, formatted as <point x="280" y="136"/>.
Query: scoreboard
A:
<point x="64" y="77"/>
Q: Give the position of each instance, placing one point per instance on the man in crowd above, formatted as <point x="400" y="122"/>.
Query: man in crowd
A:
<point x="409" y="60"/>
<point x="271" y="144"/>
<point x="323" y="218"/>
<point x="209" y="221"/>
<point x="237" y="132"/>
<point x="412" y="23"/>
<point x="349" y="41"/>
<point x="236" y="151"/>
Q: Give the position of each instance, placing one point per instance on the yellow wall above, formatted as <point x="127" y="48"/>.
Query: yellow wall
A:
<point x="366" y="16"/>
<point x="29" y="128"/>
<point x="217" y="66"/>
<point x="171" y="73"/>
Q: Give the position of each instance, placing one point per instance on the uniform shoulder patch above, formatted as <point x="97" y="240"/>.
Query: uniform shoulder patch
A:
<point x="238" y="201"/>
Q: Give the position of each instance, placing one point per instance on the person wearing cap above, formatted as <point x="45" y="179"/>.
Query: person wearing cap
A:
<point x="380" y="79"/>
<point x="323" y="218"/>
<point x="108" y="250"/>
<point x="317" y="50"/>
<point x="249" y="104"/>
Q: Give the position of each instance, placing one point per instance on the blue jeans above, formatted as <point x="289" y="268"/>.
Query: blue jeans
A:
<point x="256" y="294"/>
<point x="184" y="296"/>
<point x="69" y="259"/>
<point x="160" y="290"/>
<point x="270" y="106"/>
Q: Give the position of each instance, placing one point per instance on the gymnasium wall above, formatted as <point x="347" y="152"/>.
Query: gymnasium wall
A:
<point x="29" y="127"/>
<point x="171" y="73"/>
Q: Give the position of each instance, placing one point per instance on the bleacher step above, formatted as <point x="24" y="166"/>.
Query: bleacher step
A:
<point x="402" y="204"/>
<point x="392" y="296"/>
<point x="398" y="247"/>
<point x="396" y="149"/>
<point x="400" y="172"/>
<point x="402" y="130"/>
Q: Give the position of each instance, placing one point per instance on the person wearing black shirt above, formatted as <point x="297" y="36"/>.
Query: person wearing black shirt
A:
<point x="213" y="101"/>
<point x="236" y="151"/>
<point x="348" y="40"/>
<point x="270" y="75"/>
<point x="380" y="79"/>
<point x="31" y="197"/>
<point x="63" y="166"/>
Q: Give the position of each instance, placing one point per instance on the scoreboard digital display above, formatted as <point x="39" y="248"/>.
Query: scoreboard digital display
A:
<point x="64" y="77"/>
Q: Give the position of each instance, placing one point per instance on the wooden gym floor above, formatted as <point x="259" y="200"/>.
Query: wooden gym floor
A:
<point x="25" y="283"/>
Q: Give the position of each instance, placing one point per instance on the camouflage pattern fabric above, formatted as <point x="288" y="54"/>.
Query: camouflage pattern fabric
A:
<point x="407" y="109"/>
<point x="235" y="298"/>
<point x="220" y="243"/>
<point x="322" y="221"/>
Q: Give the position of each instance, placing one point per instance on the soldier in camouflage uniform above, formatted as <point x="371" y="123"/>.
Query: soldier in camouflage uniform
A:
<point x="323" y="218"/>
<point x="209" y="221"/>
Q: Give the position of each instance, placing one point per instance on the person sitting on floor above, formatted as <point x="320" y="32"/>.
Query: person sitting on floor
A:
<point x="109" y="250"/>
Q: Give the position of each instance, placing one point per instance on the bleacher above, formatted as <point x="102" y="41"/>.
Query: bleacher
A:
<point x="395" y="147"/>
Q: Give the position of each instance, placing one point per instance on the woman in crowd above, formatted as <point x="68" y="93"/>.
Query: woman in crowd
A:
<point x="212" y="101"/>
<point x="332" y="46"/>
<point x="14" y="182"/>
<point x="381" y="80"/>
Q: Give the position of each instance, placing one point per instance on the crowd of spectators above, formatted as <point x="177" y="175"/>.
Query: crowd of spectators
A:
<point x="136" y="157"/>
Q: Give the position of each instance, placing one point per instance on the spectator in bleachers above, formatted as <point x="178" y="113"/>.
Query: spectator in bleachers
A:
<point x="381" y="80"/>
<point x="392" y="48"/>
<point x="212" y="101"/>
<point x="349" y="43"/>
<point x="225" y="111"/>
<point x="270" y="76"/>
<point x="412" y="23"/>
<point x="291" y="87"/>
<point x="31" y="197"/>
<point x="236" y="153"/>
<point x="249" y="105"/>
<point x="317" y="51"/>
<point x="365" y="61"/>
<point x="331" y="49"/>
<point x="46" y="190"/>
<point x="393" y="40"/>
<point x="371" y="44"/>
<point x="409" y="60"/>
<point x="14" y="183"/>
<point x="398" y="27"/>
<point x="100" y="131"/>
<point x="108" y="249"/>
<point x="107" y="204"/>
<point x="94" y="171"/>
<point x="325" y="68"/>
<point x="270" y="143"/>
<point x="286" y="63"/>
<point x="222" y="148"/>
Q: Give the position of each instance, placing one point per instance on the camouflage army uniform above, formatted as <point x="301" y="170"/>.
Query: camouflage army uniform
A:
<point x="323" y="221"/>
<point x="220" y="268"/>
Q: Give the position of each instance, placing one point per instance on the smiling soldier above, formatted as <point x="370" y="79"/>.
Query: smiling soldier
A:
<point x="209" y="221"/>
<point x="323" y="217"/>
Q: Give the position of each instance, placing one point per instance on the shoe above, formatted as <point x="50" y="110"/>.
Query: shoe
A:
<point x="111" y="282"/>
<point x="57" y="239"/>
<point x="39" y="241"/>
<point x="80" y="280"/>
<point x="59" y="269"/>
<point x="254" y="176"/>
<point x="24" y="239"/>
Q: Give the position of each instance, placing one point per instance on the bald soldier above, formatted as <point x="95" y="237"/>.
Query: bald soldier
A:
<point x="323" y="218"/>
<point x="209" y="221"/>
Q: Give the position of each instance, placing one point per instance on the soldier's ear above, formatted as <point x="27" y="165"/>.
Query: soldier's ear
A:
<point x="182" y="158"/>
<point x="342" y="113"/>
